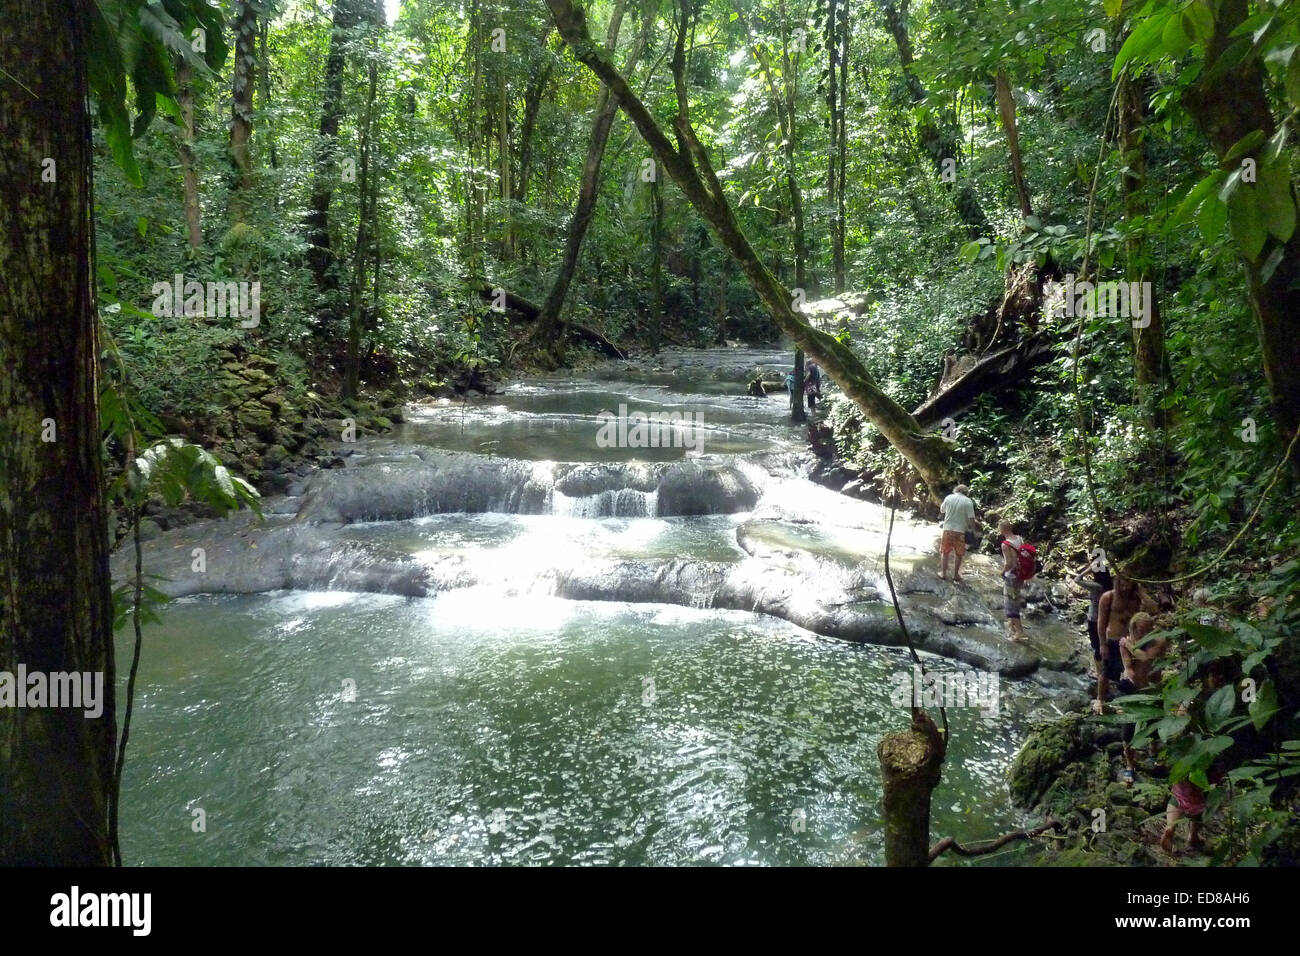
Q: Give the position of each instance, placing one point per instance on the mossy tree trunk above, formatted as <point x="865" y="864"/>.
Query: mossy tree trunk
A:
<point x="56" y="764"/>
<point x="911" y="762"/>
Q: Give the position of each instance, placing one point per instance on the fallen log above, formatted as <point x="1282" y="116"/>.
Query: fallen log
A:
<point x="530" y="311"/>
<point x="999" y="369"/>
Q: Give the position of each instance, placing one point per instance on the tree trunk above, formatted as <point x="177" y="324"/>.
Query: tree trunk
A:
<point x="365" y="216"/>
<point x="836" y="88"/>
<point x="656" y="265"/>
<point x="56" y="764"/>
<point x="938" y="142"/>
<point x="783" y="103"/>
<point x="1007" y="112"/>
<point x="241" y="104"/>
<point x="320" y="256"/>
<point x="911" y="763"/>
<point x="474" y="206"/>
<point x="797" y="411"/>
<point x="1227" y="108"/>
<point x="185" y="94"/>
<point x="503" y="158"/>
<point x="589" y="187"/>
<point x="841" y="188"/>
<point x="691" y="169"/>
<point x="1149" y="342"/>
<point x="532" y="105"/>
<point x="264" y="91"/>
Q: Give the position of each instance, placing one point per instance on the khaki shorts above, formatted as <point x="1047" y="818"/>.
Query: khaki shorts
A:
<point x="954" y="541"/>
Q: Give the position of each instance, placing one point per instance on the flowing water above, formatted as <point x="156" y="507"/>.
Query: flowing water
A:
<point x="488" y="714"/>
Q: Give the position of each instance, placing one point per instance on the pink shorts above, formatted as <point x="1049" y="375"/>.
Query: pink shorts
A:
<point x="1189" y="798"/>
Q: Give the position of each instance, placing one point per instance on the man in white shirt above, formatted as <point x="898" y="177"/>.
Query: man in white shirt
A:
<point x="958" y="518"/>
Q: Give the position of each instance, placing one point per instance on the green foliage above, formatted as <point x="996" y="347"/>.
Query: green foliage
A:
<point x="135" y="41"/>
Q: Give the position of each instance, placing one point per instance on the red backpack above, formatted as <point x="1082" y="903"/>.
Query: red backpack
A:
<point x="1028" y="556"/>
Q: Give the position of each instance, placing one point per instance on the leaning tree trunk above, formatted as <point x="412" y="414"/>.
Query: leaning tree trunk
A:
<point x="911" y="762"/>
<point x="588" y="190"/>
<point x="56" y="764"/>
<point x="689" y="165"/>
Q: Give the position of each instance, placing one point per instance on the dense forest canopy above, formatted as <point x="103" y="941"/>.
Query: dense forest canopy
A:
<point x="1047" y="247"/>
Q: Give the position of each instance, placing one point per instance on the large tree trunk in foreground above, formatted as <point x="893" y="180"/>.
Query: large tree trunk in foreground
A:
<point x="588" y="189"/>
<point x="911" y="762"/>
<point x="690" y="168"/>
<point x="56" y="764"/>
<point x="1227" y="108"/>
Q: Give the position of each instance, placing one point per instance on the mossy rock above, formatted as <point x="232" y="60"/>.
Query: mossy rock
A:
<point x="275" y="401"/>
<point x="274" y="456"/>
<point x="1045" y="753"/>
<point x="257" y="382"/>
<point x="255" y="415"/>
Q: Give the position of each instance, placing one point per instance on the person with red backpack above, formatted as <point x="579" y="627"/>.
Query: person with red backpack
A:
<point x="1019" y="564"/>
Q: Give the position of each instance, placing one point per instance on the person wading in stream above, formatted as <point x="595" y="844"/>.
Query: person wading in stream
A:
<point x="1115" y="613"/>
<point x="958" y="518"/>
<point x="812" y="385"/>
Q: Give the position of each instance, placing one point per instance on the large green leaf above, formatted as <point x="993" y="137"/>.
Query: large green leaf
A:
<point x="1264" y="706"/>
<point x="1249" y="228"/>
<point x="1219" y="707"/>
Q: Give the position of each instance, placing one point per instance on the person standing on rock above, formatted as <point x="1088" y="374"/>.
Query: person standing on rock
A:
<point x="958" y="518"/>
<point x="1011" y="581"/>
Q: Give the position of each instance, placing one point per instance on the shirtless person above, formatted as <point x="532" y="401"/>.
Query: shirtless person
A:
<point x="1115" y="611"/>
<point x="1139" y="672"/>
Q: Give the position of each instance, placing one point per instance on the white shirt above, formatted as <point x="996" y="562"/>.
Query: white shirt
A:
<point x="958" y="510"/>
